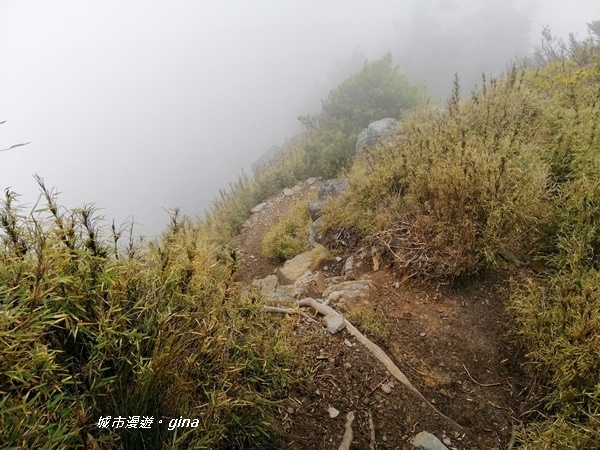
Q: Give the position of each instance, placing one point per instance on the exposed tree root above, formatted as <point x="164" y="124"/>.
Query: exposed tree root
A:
<point x="348" y="433"/>
<point x="329" y="312"/>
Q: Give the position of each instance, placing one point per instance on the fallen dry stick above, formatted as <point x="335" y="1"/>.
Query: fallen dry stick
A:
<point x="348" y="433"/>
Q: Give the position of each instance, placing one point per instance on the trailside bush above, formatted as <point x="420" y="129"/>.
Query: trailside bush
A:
<point x="91" y="328"/>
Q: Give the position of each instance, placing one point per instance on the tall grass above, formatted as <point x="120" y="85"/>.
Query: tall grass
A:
<point x="517" y="167"/>
<point x="457" y="185"/>
<point x="91" y="327"/>
<point x="228" y="213"/>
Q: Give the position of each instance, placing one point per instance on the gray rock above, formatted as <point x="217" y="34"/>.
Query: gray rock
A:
<point x="334" y="323"/>
<point x="284" y="295"/>
<point x="333" y="188"/>
<point x="296" y="267"/>
<point x="287" y="192"/>
<point x="375" y="133"/>
<point x="305" y="285"/>
<point x="267" y="285"/>
<point x="427" y="441"/>
<point x="310" y="181"/>
<point x="314" y="232"/>
<point x="349" y="267"/>
<point x="258" y="208"/>
<point x="315" y="208"/>
<point x="348" y="290"/>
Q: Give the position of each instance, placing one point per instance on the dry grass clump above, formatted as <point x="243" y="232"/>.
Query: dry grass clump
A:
<point x="372" y="322"/>
<point x="93" y="327"/>
<point x="516" y="167"/>
<point x="457" y="185"/>
<point x="288" y="237"/>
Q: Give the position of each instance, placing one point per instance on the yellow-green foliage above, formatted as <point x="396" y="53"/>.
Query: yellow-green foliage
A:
<point x="327" y="145"/>
<point x="225" y="219"/>
<point x="559" y="319"/>
<point x="288" y="237"/>
<point x="91" y="328"/>
<point x="516" y="166"/>
<point x="462" y="183"/>
<point x="372" y="322"/>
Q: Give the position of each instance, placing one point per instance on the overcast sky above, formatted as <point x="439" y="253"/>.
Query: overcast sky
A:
<point x="140" y="105"/>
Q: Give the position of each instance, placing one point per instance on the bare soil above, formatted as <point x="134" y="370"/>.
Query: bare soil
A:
<point x="451" y="342"/>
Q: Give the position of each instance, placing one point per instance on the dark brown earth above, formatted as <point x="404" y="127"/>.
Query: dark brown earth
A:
<point x="451" y="342"/>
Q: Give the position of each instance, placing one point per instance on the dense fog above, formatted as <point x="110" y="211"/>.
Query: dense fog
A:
<point x="140" y="106"/>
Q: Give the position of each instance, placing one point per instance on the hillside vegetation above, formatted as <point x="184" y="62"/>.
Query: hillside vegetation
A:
<point x="515" y="167"/>
<point x="91" y="328"/>
<point x="95" y="324"/>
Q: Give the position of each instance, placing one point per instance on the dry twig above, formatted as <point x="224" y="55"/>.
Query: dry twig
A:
<point x="477" y="382"/>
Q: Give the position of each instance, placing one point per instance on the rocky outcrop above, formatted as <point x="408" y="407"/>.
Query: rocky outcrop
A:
<point x="333" y="188"/>
<point x="375" y="133"/>
<point x="314" y="232"/>
<point x="346" y="291"/>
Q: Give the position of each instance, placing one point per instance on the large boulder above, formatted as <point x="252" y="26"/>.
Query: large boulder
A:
<point x="375" y="133"/>
<point x="333" y="188"/>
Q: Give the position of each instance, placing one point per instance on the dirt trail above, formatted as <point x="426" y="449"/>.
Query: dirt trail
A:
<point x="450" y="342"/>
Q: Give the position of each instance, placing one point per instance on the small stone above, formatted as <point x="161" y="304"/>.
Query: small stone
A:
<point x="384" y="438"/>
<point x="348" y="343"/>
<point x="310" y="181"/>
<point x="334" y="323"/>
<point x="258" y="208"/>
<point x="385" y="387"/>
<point x="397" y="285"/>
<point x="287" y="192"/>
<point x="427" y="441"/>
<point x="446" y="440"/>
<point x="423" y="334"/>
<point x="338" y="259"/>
<point x="317" y="392"/>
<point x="333" y="413"/>
<point x="347" y="366"/>
<point x="290" y="410"/>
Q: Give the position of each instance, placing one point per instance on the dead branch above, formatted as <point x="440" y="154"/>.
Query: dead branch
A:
<point x="477" y="382"/>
